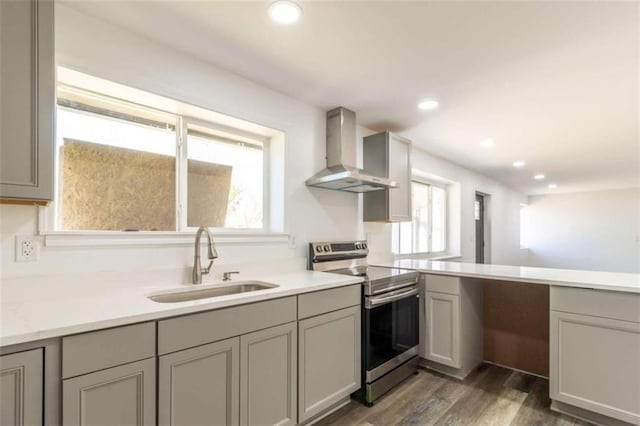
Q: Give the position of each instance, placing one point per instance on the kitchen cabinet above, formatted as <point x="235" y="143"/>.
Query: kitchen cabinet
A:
<point x="389" y="155"/>
<point x="451" y="324"/>
<point x="27" y="96"/>
<point x="21" y="384"/>
<point x="235" y="364"/>
<point x="122" y="395"/>
<point x="595" y="352"/>
<point x="443" y="325"/>
<point x="200" y="385"/>
<point x="109" y="376"/>
<point x="328" y="361"/>
<point x="268" y="376"/>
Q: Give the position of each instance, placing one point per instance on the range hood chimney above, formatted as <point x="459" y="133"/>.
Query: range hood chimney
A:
<point x="341" y="173"/>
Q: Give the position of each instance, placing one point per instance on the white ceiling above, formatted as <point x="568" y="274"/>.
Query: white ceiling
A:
<point x="555" y="84"/>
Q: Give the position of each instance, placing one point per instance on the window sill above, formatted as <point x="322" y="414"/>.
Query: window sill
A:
<point x="428" y="256"/>
<point x="151" y="238"/>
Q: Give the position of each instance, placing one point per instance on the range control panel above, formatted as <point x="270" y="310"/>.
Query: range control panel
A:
<point x="339" y="247"/>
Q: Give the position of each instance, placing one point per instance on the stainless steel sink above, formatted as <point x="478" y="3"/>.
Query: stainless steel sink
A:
<point x="203" y="293"/>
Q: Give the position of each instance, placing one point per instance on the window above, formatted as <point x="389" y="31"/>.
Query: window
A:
<point x="427" y="232"/>
<point x="129" y="167"/>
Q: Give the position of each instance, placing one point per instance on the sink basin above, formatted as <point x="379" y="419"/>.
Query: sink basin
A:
<point x="204" y="293"/>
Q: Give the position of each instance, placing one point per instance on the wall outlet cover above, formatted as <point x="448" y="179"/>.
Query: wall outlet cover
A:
<point x="27" y="248"/>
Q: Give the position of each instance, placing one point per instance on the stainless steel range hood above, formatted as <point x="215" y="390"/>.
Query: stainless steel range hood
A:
<point x="341" y="173"/>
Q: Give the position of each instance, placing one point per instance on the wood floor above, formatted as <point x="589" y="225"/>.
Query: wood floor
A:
<point x="489" y="396"/>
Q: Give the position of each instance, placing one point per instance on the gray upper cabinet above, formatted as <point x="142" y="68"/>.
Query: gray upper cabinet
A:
<point x="21" y="388"/>
<point x="268" y="376"/>
<point x="389" y="155"/>
<point x="328" y="361"/>
<point x="27" y="96"/>
<point x="123" y="395"/>
<point x="200" y="386"/>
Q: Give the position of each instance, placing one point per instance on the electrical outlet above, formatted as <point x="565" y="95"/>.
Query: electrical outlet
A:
<point x="27" y="248"/>
<point x="292" y="242"/>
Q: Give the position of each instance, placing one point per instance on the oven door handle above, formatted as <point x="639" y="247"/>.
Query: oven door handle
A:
<point x="371" y="302"/>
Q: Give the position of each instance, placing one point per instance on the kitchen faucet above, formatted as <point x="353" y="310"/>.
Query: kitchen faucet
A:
<point x="212" y="254"/>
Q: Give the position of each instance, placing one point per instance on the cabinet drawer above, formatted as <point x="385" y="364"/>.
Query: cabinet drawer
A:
<point x="606" y="304"/>
<point x="442" y="284"/>
<point x="198" y="329"/>
<point x="320" y="302"/>
<point x="84" y="353"/>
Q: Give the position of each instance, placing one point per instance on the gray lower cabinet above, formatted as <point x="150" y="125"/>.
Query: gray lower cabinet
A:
<point x="122" y="395"/>
<point x="595" y="352"/>
<point x="21" y="388"/>
<point x="27" y="98"/>
<point x="451" y="320"/>
<point x="442" y="313"/>
<point x="268" y="376"/>
<point x="200" y="386"/>
<point x="328" y="360"/>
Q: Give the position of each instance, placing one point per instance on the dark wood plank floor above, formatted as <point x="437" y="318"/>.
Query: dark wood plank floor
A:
<point x="489" y="396"/>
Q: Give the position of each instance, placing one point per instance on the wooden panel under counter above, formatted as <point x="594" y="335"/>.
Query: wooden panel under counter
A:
<point x="516" y="325"/>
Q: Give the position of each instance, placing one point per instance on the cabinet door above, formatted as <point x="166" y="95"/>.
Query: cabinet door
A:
<point x="400" y="171"/>
<point x="27" y="99"/>
<point x="268" y="376"/>
<point x="21" y="388"/>
<point x="200" y="386"/>
<point x="328" y="360"/>
<point x="442" y="342"/>
<point x="595" y="364"/>
<point x="123" y="395"/>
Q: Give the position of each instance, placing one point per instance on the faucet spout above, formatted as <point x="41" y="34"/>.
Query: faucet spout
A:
<point x="212" y="253"/>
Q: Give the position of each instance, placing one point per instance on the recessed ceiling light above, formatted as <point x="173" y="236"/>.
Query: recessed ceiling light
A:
<point x="487" y="143"/>
<point x="428" y="105"/>
<point x="519" y="163"/>
<point x="552" y="186"/>
<point x="285" y="11"/>
<point x="539" y="177"/>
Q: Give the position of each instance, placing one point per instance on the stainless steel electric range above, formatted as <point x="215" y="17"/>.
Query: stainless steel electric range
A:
<point x="389" y="316"/>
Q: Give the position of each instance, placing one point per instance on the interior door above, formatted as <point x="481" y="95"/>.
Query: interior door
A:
<point x="479" y="216"/>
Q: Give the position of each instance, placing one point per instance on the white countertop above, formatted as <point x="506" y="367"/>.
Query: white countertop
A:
<point x="41" y="308"/>
<point x="612" y="281"/>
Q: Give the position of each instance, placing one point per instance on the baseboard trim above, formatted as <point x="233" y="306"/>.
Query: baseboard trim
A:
<point x="456" y="373"/>
<point x="338" y="405"/>
<point x="586" y="415"/>
<point x="515" y="369"/>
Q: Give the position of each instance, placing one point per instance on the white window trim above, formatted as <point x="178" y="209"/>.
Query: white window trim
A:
<point x="443" y="254"/>
<point x="184" y="234"/>
<point x="148" y="238"/>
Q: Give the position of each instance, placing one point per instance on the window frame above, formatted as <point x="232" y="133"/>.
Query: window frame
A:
<point x="429" y="253"/>
<point x="59" y="237"/>
<point x="182" y="175"/>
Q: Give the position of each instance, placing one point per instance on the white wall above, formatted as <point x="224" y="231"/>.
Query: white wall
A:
<point x="94" y="47"/>
<point x="502" y="213"/>
<point x="597" y="230"/>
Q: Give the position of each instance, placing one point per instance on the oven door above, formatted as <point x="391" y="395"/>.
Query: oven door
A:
<point x="390" y="331"/>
